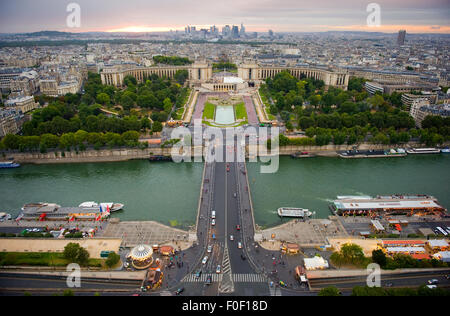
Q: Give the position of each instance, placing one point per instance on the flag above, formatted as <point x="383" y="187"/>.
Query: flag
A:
<point x="101" y="210"/>
<point x="108" y="210"/>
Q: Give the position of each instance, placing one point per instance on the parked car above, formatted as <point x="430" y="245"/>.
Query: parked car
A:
<point x="205" y="260"/>
<point x="213" y="222"/>
<point x="433" y="281"/>
<point x="432" y="286"/>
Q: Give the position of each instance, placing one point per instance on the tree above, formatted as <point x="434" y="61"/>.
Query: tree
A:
<point x="76" y="254"/>
<point x="330" y="291"/>
<point x="379" y="257"/>
<point x="103" y="98"/>
<point x="167" y="105"/>
<point x="112" y="259"/>
<point x="11" y="141"/>
<point x="157" y="127"/>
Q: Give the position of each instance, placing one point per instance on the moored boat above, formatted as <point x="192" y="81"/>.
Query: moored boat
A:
<point x="422" y="151"/>
<point x="8" y="165"/>
<point x="304" y="154"/>
<point x="113" y="207"/>
<point x="294" y="212"/>
<point x="445" y="150"/>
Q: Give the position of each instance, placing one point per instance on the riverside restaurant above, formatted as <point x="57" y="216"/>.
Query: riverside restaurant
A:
<point x="388" y="205"/>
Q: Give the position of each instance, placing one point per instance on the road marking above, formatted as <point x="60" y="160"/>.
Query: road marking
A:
<point x="165" y="293"/>
<point x="274" y="291"/>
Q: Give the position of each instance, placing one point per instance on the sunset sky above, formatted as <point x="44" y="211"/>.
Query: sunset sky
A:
<point x="430" y="16"/>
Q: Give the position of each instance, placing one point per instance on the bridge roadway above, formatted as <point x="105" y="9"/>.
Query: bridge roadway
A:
<point x="225" y="191"/>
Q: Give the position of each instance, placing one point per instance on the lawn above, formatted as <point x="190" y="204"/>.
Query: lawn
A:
<point x="209" y="111"/>
<point x="241" y="111"/>
<point x="49" y="259"/>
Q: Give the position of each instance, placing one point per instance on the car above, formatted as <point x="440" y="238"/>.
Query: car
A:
<point x="198" y="274"/>
<point x="208" y="280"/>
<point x="214" y="236"/>
<point x="213" y="222"/>
<point x="218" y="269"/>
<point x="179" y="291"/>
<point x="209" y="249"/>
<point x="239" y="245"/>
<point x="205" y="260"/>
<point x="228" y="169"/>
<point x="243" y="257"/>
<point x="433" y="281"/>
<point x="235" y="195"/>
<point x="238" y="227"/>
<point x="431" y="286"/>
<point x="231" y="237"/>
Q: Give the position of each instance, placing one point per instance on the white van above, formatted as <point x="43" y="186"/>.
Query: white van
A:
<point x="213" y="214"/>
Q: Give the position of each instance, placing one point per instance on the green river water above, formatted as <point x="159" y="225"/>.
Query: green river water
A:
<point x="168" y="192"/>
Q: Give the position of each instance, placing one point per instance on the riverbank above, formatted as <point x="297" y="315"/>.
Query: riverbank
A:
<point x="125" y="154"/>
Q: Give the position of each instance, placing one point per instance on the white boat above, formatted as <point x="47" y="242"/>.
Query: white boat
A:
<point x="356" y="197"/>
<point x="113" y="207"/>
<point x="294" y="212"/>
<point x="445" y="150"/>
<point x="419" y="151"/>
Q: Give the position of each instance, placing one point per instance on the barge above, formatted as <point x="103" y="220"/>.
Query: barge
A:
<point x="387" y="205"/>
<point x="372" y="153"/>
<point x="294" y="212"/>
<point x="303" y="155"/>
<point x="54" y="212"/>
<point x="423" y="151"/>
<point x="159" y="158"/>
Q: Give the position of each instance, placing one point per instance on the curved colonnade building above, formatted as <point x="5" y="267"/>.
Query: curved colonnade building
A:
<point x="200" y="73"/>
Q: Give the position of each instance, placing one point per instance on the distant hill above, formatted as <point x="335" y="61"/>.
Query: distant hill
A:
<point x="49" y="34"/>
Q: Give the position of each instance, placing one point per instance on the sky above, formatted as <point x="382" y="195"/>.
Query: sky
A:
<point x="416" y="16"/>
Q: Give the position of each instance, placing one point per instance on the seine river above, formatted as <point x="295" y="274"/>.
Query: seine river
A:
<point x="314" y="182"/>
<point x="162" y="192"/>
<point x="168" y="192"/>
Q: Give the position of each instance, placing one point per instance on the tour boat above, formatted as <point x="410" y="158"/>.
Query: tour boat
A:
<point x="294" y="212"/>
<point x="8" y="164"/>
<point x="113" y="207"/>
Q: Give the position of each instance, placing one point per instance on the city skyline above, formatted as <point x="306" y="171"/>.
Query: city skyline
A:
<point x="258" y="16"/>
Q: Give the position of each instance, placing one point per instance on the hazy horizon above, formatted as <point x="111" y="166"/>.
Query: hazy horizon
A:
<point x="296" y="16"/>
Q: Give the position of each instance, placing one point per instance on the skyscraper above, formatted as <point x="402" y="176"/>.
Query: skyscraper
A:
<point x="242" y="32"/>
<point x="401" y="37"/>
<point x="235" y="31"/>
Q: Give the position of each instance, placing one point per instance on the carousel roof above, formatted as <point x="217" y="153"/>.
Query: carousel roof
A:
<point x="141" y="252"/>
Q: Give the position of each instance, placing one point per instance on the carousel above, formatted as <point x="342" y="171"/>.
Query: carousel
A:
<point x="141" y="257"/>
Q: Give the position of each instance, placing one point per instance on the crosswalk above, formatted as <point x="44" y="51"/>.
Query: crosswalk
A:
<point x="236" y="278"/>
<point x="249" y="278"/>
<point x="192" y="278"/>
<point x="165" y="293"/>
<point x="274" y="291"/>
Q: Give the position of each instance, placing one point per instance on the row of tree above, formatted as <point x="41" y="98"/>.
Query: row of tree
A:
<point x="79" y="141"/>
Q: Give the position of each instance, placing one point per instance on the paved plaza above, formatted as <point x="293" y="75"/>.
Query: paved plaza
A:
<point x="309" y="233"/>
<point x="149" y="233"/>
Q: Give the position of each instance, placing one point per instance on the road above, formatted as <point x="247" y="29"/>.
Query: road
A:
<point x="392" y="280"/>
<point x="230" y="200"/>
<point x="13" y="282"/>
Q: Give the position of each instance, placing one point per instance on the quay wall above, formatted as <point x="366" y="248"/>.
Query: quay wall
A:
<point x="124" y="154"/>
